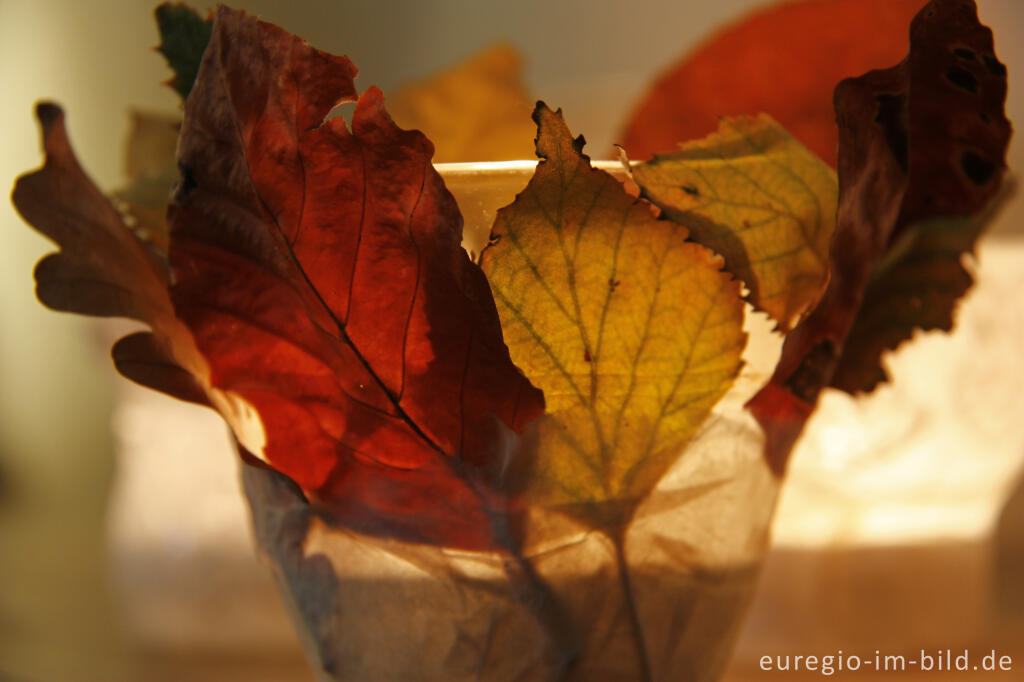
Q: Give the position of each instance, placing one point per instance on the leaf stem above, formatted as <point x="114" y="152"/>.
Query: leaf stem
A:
<point x="529" y="587"/>
<point x="636" y="629"/>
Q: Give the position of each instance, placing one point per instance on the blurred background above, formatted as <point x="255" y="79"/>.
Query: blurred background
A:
<point x="124" y="546"/>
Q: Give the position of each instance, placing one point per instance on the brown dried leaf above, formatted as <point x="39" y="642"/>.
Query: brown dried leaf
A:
<point x="920" y="145"/>
<point x="103" y="268"/>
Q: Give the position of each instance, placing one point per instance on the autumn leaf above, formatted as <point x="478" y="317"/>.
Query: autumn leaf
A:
<point x="753" y="194"/>
<point x="922" y="150"/>
<point x="184" y="35"/>
<point x="477" y="110"/>
<point x="783" y="60"/>
<point x="320" y="271"/>
<point x="632" y="332"/>
<point x="915" y="285"/>
<point x="103" y="268"/>
<point x="321" y="300"/>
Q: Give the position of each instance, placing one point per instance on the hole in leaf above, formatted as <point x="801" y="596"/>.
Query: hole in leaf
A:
<point x="962" y="79"/>
<point x="995" y="66"/>
<point x="977" y="169"/>
<point x="892" y="116"/>
<point x="345" y="110"/>
<point x="964" y="53"/>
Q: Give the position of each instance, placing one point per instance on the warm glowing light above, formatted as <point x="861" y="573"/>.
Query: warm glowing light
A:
<point x="934" y="454"/>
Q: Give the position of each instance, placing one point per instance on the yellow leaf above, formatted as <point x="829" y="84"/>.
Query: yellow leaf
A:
<point x="632" y="332"/>
<point x="474" y="111"/>
<point x="761" y="199"/>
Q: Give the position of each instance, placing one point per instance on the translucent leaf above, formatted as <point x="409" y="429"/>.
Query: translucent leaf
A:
<point x="632" y="332"/>
<point x="103" y="268"/>
<point x="755" y="195"/>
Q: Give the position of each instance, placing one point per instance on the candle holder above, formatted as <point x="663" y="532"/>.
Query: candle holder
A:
<point x="668" y="606"/>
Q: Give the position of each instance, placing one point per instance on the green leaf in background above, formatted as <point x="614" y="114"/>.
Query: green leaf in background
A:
<point x="184" y="35"/>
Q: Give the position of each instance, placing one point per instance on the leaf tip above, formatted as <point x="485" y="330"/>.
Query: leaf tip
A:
<point x="552" y="131"/>
<point x="50" y="114"/>
<point x="781" y="416"/>
<point x="184" y="35"/>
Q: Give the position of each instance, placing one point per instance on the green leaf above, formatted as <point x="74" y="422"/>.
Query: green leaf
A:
<point x="184" y="35"/>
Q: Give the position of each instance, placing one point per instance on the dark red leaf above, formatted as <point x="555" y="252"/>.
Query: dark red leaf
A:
<point x="317" y="295"/>
<point x="783" y="60"/>
<point x="321" y="273"/>
<point x="912" y="147"/>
